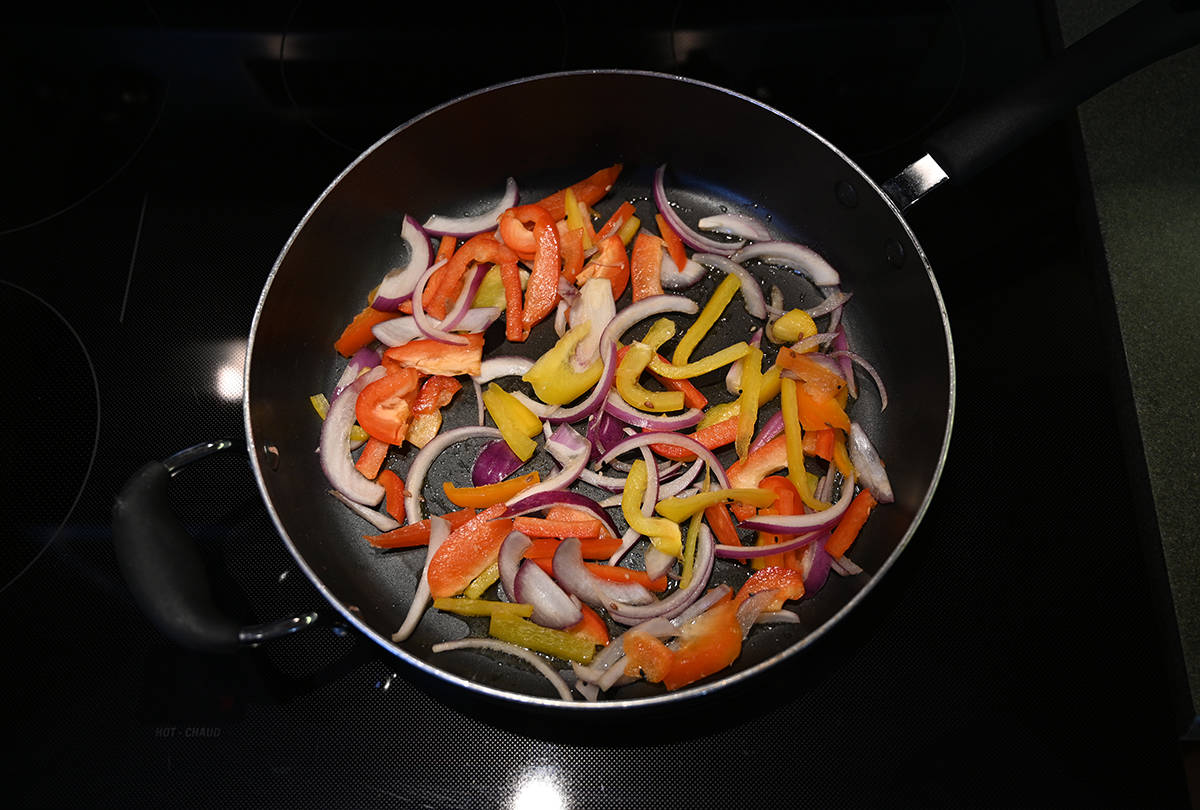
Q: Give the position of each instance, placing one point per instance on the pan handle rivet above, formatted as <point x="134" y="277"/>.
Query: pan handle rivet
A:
<point x="895" y="252"/>
<point x="847" y="195"/>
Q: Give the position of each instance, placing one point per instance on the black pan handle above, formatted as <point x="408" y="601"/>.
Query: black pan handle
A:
<point x="163" y="568"/>
<point x="1147" y="32"/>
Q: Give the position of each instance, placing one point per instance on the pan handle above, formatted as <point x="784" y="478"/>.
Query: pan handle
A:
<point x="1147" y="32"/>
<point x="163" y="568"/>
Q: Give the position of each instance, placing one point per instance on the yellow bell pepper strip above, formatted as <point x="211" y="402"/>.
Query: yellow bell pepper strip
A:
<point x="794" y="441"/>
<point x="555" y="379"/>
<point x="491" y="289"/>
<point x="489" y="577"/>
<point x="659" y="333"/>
<point x="791" y="327"/>
<point x="629" y="230"/>
<point x="689" y="549"/>
<point x="575" y="221"/>
<point x="481" y="607"/>
<point x="706" y="319"/>
<point x="748" y="401"/>
<point x="517" y="424"/>
<point x="711" y="363"/>
<point x="680" y="509"/>
<point x="525" y="633"/>
<point x="488" y="494"/>
<point x="629" y="370"/>
<point x="664" y="534"/>
<point x="692" y="396"/>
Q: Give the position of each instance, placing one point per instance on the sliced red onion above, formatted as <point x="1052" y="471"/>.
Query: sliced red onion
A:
<point x="396" y="331"/>
<point x="733" y="377"/>
<point x="752" y="552"/>
<point x="867" y="465"/>
<point x="680" y="599"/>
<point x="690" y="237"/>
<point x="753" y="607"/>
<point x="494" y="463"/>
<point x="678" y="485"/>
<point x="544" y="500"/>
<point x="835" y="300"/>
<point x="603" y="431"/>
<point x="575" y="578"/>
<point x="547" y="671"/>
<point x="334" y="449"/>
<point x="772" y="428"/>
<point x="478" y="319"/>
<point x="360" y="360"/>
<point x="841" y="343"/>
<point x="639" y="311"/>
<point x="778" y="617"/>
<point x="657" y="563"/>
<point x="594" y="304"/>
<point x="511" y="555"/>
<point x="425" y="457"/>
<point x="710" y="598"/>
<point x="621" y="409"/>
<point x="539" y="409"/>
<point x="560" y="318"/>
<point x="752" y="294"/>
<point x="742" y="225"/>
<point x="845" y="566"/>
<point x="794" y="256"/>
<point x="465" y="297"/>
<point x="398" y="285"/>
<point x="870" y="369"/>
<point x="463" y="227"/>
<point x="479" y="409"/>
<point x="659" y="437"/>
<point x="808" y="344"/>
<point x="572" y="456"/>
<point x="676" y="278"/>
<point x="796" y="524"/>
<point x="439" y="530"/>
<point x="552" y="606"/>
<point x="505" y="366"/>
<point x="382" y="522"/>
<point x="818" y="563"/>
<point x="430" y="327"/>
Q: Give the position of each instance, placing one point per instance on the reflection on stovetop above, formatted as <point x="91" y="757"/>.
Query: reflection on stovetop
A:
<point x="167" y="153"/>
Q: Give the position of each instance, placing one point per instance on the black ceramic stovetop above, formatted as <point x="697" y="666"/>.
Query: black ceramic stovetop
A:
<point x="156" y="158"/>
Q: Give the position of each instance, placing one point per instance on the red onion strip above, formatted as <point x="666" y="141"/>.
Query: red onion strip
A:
<point x="795" y="524"/>
<point x="657" y="437"/>
<point x="742" y="225"/>
<point x="752" y="294"/>
<point x="621" y="409"/>
<point x="547" y="671"/>
<point x="441" y="225"/>
<point x="382" y="522"/>
<point x="429" y="327"/>
<point x="439" y="530"/>
<point x="794" y="256"/>
<point x="465" y="297"/>
<point x="397" y="286"/>
<point x="870" y="369"/>
<point x="678" y="601"/>
<point x="504" y="366"/>
<point x="690" y="237"/>
<point x="867" y="465"/>
<point x="334" y="449"/>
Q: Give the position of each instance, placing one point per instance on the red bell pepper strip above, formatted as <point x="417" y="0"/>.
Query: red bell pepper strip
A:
<point x="436" y="392"/>
<point x="674" y="244"/>
<point x="712" y="437"/>
<point x="541" y="527"/>
<point x="416" y="534"/>
<point x="467" y="552"/>
<point x="445" y="251"/>
<point x="851" y="524"/>
<point x="610" y="261"/>
<point x="514" y="331"/>
<point x="591" y="626"/>
<point x="592" y="548"/>
<point x="434" y="357"/>
<point x="357" y="333"/>
<point x="371" y="458"/>
<point x="393" y="497"/>
<point x="709" y="643"/>
<point x="619" y="217"/>
<point x="787" y="502"/>
<point x="788" y="581"/>
<point x="384" y="407"/>
<point x="588" y="191"/>
<point x="541" y="291"/>
<point x="722" y="525"/>
<point x="645" y="266"/>
<point x="692" y="397"/>
<point x="479" y="248"/>
<point x="747" y="472"/>
<point x="570" y="244"/>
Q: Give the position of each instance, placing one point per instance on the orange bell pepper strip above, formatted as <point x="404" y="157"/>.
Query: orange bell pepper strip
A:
<point x="756" y="466"/>
<point x="467" y="552"/>
<point x="434" y="357"/>
<point x="416" y="534"/>
<point x="645" y="266"/>
<point x="590" y="627"/>
<point x="847" y="530"/>
<point x="692" y="397"/>
<point x="610" y="261"/>
<point x="393" y="494"/>
<point x="371" y="458"/>
<point x="479" y="248"/>
<point x="820" y="443"/>
<point x="722" y="525"/>
<point x="489" y="494"/>
<point x="590" y="548"/>
<point x="541" y="291"/>
<point x="357" y="333"/>
<point x="712" y="437"/>
<point x="560" y="512"/>
<point x="614" y="223"/>
<point x="588" y="191"/>
<point x="570" y="244"/>
<point x="818" y="397"/>
<point x="542" y="527"/>
<point x="674" y="244"/>
<point x="788" y="581"/>
<point x="787" y="502"/>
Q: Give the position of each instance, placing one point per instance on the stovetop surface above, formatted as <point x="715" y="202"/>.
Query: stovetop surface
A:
<point x="158" y="158"/>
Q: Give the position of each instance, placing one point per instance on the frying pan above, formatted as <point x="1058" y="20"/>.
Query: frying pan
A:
<point x="724" y="151"/>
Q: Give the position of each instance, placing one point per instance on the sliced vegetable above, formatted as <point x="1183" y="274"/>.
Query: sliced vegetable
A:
<point x="489" y="494"/>
<point x="516" y="423"/>
<point x="467" y="552"/>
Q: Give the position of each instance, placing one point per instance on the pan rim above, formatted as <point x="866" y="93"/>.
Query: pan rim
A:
<point x="667" y="698"/>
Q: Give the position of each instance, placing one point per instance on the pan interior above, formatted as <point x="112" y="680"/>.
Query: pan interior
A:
<point x="723" y="152"/>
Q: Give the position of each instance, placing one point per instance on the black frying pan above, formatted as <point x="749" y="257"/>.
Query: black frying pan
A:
<point x="721" y="149"/>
